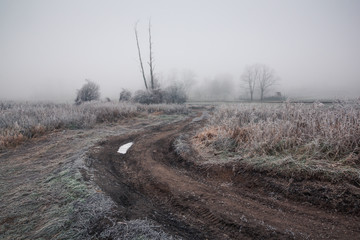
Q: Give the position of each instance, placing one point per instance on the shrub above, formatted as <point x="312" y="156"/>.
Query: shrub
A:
<point x="125" y="95"/>
<point x="90" y="91"/>
<point x="175" y="94"/>
<point x="148" y="97"/>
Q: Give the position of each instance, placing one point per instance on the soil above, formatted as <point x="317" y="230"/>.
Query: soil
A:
<point x="194" y="200"/>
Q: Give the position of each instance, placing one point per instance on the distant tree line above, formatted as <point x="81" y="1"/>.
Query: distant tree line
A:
<point x="257" y="78"/>
<point x="174" y="93"/>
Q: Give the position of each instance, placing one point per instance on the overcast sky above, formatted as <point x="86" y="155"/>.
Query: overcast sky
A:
<point x="48" y="47"/>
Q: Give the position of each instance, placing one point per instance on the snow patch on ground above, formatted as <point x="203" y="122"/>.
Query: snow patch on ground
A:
<point x="123" y="149"/>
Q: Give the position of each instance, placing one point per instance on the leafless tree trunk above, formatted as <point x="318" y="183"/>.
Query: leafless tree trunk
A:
<point x="250" y="77"/>
<point x="140" y="59"/>
<point x="151" y="59"/>
<point x="266" y="79"/>
<point x="261" y="75"/>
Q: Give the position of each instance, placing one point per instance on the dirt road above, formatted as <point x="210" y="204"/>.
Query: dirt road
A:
<point x="196" y="201"/>
<point x="44" y="190"/>
<point x="56" y="187"/>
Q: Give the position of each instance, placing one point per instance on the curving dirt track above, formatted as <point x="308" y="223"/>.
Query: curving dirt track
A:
<point x="196" y="201"/>
<point x="46" y="191"/>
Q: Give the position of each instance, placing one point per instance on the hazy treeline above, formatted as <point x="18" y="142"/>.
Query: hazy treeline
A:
<point x="226" y="87"/>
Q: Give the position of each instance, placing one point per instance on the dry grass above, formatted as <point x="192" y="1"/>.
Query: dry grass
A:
<point x="22" y="121"/>
<point x="181" y="145"/>
<point x="300" y="132"/>
<point x="63" y="206"/>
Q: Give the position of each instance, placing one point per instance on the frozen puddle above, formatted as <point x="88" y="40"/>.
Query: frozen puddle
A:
<point x="123" y="149"/>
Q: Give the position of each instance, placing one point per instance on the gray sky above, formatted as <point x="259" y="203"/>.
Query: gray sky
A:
<point x="48" y="47"/>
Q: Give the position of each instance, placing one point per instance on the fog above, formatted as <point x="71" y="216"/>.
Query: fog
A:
<point x="49" y="47"/>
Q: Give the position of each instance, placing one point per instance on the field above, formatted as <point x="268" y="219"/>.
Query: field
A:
<point x="238" y="171"/>
<point x="301" y="140"/>
<point x="22" y="121"/>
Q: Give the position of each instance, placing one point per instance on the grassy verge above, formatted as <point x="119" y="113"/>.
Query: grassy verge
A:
<point x="22" y="121"/>
<point x="306" y="140"/>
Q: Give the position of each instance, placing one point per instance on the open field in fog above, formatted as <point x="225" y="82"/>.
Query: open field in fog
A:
<point x="216" y="171"/>
<point x="181" y="119"/>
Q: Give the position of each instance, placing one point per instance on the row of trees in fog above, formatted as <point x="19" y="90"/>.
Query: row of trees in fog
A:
<point x="255" y="83"/>
<point x="256" y="80"/>
<point x="256" y="77"/>
<point x="174" y="93"/>
<point x="153" y="94"/>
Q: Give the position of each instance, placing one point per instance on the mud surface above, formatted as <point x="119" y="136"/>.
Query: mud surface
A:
<point x="203" y="201"/>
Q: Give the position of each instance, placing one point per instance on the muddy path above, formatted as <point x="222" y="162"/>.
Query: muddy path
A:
<point x="46" y="191"/>
<point x="194" y="201"/>
<point x="57" y="186"/>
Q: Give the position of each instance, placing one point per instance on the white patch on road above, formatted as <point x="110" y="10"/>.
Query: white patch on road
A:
<point x="123" y="149"/>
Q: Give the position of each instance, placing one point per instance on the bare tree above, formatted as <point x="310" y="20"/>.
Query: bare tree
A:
<point x="267" y="79"/>
<point x="140" y="59"/>
<point x="261" y="75"/>
<point x="249" y="78"/>
<point x="153" y="84"/>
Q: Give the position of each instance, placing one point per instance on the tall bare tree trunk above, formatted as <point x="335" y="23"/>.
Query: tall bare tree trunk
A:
<point x="151" y="59"/>
<point x="141" y="63"/>
<point x="266" y="80"/>
<point x="261" y="75"/>
<point x="250" y="78"/>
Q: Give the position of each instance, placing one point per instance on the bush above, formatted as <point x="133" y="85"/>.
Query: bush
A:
<point x="175" y="94"/>
<point x="125" y="95"/>
<point x="148" y="97"/>
<point x="90" y="91"/>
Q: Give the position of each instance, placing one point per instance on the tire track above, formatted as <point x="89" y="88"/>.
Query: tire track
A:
<point x="194" y="206"/>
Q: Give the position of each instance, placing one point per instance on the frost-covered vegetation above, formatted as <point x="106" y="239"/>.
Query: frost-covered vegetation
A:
<point x="173" y="94"/>
<point x="300" y="131"/>
<point x="21" y="121"/>
<point x="89" y="92"/>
